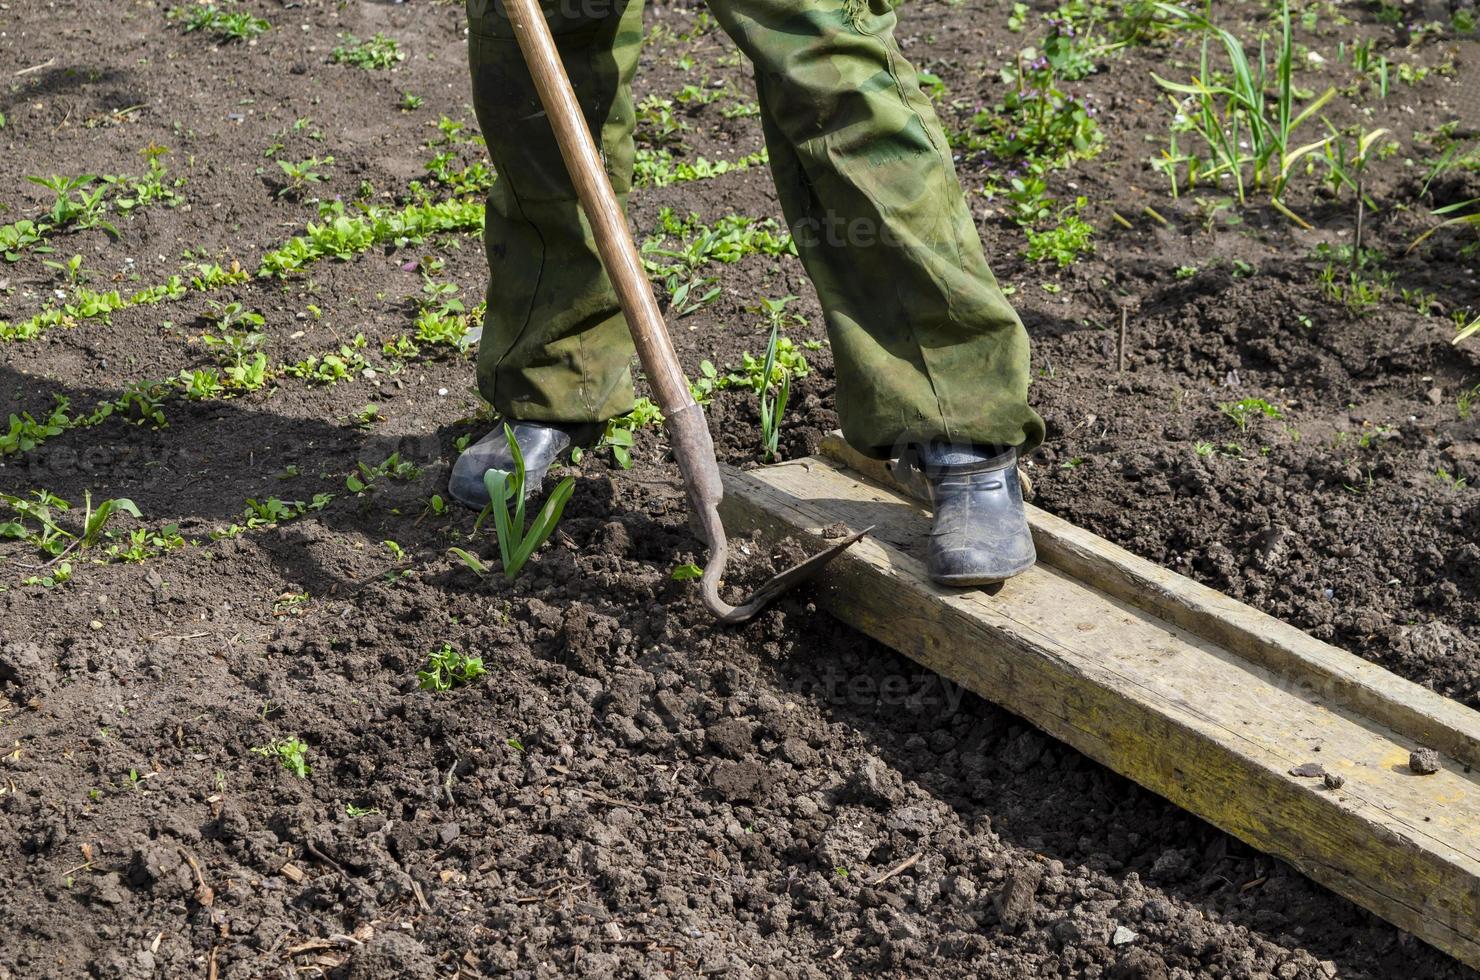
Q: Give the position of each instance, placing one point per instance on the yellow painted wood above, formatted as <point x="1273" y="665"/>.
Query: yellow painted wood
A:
<point x="1210" y="705"/>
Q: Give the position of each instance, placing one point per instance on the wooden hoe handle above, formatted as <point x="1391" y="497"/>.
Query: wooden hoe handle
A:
<point x="608" y="223"/>
<point x="688" y="432"/>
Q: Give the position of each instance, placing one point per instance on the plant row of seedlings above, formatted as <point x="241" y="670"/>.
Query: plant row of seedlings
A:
<point x="1038" y="126"/>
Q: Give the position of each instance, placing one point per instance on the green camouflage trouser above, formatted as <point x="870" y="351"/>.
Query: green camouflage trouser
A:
<point x="925" y="345"/>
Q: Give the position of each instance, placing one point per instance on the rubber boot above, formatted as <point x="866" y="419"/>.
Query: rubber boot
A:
<point x="540" y="443"/>
<point x="980" y="535"/>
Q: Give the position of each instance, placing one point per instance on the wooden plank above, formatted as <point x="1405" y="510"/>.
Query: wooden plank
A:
<point x="1207" y="705"/>
<point x="1425" y="717"/>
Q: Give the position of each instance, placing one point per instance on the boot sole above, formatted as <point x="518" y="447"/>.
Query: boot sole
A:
<point x="976" y="581"/>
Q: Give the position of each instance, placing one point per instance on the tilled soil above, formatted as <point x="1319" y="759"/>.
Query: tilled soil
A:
<point x="631" y="791"/>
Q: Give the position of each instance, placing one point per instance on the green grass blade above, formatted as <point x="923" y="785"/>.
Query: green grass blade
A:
<point x="516" y="481"/>
<point x="544" y="524"/>
<point x="497" y="483"/>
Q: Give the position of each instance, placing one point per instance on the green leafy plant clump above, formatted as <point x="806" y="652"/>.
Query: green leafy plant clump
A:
<point x="379" y="52"/>
<point x="1066" y="241"/>
<point x="343" y="236"/>
<point x="221" y="22"/>
<point x="1245" y="410"/>
<point x="1037" y="121"/>
<point x="448" y="668"/>
<point x="291" y="753"/>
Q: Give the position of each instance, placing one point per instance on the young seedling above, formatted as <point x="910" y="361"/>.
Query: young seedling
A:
<point x="448" y="668"/>
<point x="773" y="397"/>
<point x="71" y="269"/>
<point x="393" y="466"/>
<point x="620" y="432"/>
<point x="242" y="364"/>
<point x="516" y="542"/>
<point x="1351" y="171"/>
<point x="291" y="753"/>
<point x="1230" y="112"/>
<point x="225" y="26"/>
<point x="378" y="52"/>
<point x="26" y="432"/>
<point x="87" y="211"/>
<point x="94" y="521"/>
<point x="300" y="176"/>
<point x="200" y="385"/>
<point x="49" y="536"/>
<point x="1244" y="410"/>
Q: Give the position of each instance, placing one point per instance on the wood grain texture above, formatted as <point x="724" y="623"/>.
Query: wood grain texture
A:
<point x="1427" y="718"/>
<point x="1186" y="710"/>
<point x="599" y="201"/>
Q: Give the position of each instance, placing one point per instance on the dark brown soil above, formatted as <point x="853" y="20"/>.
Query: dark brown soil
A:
<point x="631" y="791"/>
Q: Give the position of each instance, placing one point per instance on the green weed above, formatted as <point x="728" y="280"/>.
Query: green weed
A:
<point x="618" y="436"/>
<point x="1066" y="241"/>
<point x="1037" y="121"/>
<point x="1242" y="411"/>
<point x="26" y="432"/>
<point x="375" y="53"/>
<point x="392" y="467"/>
<point x="86" y="210"/>
<point x="275" y="511"/>
<point x="727" y="241"/>
<point x="299" y="177"/>
<point x="291" y="753"/>
<point x="222" y="24"/>
<point x="329" y="369"/>
<point x="1466" y="402"/>
<point x="448" y="668"/>
<point x="343" y="237"/>
<point x="659" y="168"/>
<point x="144" y="544"/>
<point x="37" y="521"/>
<point x="687" y="572"/>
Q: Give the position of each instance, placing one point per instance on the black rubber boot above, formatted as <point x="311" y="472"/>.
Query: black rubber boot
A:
<point x="540" y="443"/>
<point x="980" y="535"/>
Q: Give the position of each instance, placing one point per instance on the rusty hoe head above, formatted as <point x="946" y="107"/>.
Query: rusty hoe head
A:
<point x="694" y="450"/>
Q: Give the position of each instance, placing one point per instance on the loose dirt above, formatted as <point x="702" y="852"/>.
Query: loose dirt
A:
<point x="631" y="791"/>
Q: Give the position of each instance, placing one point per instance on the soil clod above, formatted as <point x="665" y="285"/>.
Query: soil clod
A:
<point x="1425" y="762"/>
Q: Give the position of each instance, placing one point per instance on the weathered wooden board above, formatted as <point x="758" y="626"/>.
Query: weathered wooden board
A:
<point x="1199" y="698"/>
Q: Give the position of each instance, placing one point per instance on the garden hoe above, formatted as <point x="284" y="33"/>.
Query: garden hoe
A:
<point x="684" y="418"/>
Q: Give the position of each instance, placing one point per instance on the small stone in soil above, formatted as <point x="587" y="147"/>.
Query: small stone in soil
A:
<point x="1425" y="762"/>
<point x="1333" y="781"/>
<point x="1123" y="936"/>
<point x="1313" y="770"/>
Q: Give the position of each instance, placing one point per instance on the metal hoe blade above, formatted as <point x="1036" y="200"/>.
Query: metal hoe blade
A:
<point x="694" y="450"/>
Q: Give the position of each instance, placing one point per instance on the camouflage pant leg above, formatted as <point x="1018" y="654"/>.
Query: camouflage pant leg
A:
<point x="924" y="342"/>
<point x="555" y="345"/>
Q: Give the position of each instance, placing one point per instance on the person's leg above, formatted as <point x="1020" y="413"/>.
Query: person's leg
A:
<point x="931" y="361"/>
<point x="926" y="347"/>
<point x="555" y="345"/>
